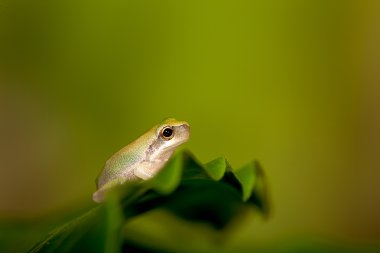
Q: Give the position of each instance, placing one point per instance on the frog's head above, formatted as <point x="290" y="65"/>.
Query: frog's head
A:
<point x="172" y="133"/>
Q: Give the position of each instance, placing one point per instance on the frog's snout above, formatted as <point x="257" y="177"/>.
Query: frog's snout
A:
<point x="185" y="131"/>
<point x="186" y="127"/>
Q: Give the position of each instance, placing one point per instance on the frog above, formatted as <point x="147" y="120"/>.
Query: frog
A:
<point x="143" y="158"/>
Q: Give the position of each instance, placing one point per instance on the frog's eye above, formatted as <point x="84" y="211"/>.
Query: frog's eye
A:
<point x="167" y="133"/>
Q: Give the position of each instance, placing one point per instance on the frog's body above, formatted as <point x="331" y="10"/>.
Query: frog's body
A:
<point x="144" y="157"/>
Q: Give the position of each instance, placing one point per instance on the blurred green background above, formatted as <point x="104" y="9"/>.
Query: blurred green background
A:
<point x="295" y="84"/>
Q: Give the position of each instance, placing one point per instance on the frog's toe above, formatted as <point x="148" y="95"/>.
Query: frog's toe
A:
<point x="98" y="196"/>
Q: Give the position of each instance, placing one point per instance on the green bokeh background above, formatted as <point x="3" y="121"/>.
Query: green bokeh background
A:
<point x="292" y="83"/>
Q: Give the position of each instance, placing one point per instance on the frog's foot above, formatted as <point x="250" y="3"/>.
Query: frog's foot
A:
<point x="99" y="195"/>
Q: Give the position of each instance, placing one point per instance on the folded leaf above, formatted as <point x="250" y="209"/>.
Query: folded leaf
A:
<point x="212" y="194"/>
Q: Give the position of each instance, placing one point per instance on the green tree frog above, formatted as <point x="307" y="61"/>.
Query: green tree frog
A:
<point x="142" y="158"/>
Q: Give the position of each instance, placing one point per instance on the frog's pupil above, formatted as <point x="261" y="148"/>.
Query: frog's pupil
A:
<point x="167" y="132"/>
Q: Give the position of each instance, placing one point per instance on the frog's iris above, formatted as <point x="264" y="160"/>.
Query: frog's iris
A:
<point x="167" y="133"/>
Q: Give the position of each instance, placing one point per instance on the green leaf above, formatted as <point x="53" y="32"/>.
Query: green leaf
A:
<point x="246" y="177"/>
<point x="158" y="229"/>
<point x="260" y="195"/>
<point x="216" y="168"/>
<point x="76" y="234"/>
<point x="186" y="195"/>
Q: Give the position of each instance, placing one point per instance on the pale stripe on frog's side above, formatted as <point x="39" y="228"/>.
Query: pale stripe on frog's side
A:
<point x="142" y="158"/>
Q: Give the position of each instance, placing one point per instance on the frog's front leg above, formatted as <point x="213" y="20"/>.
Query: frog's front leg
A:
<point x="148" y="169"/>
